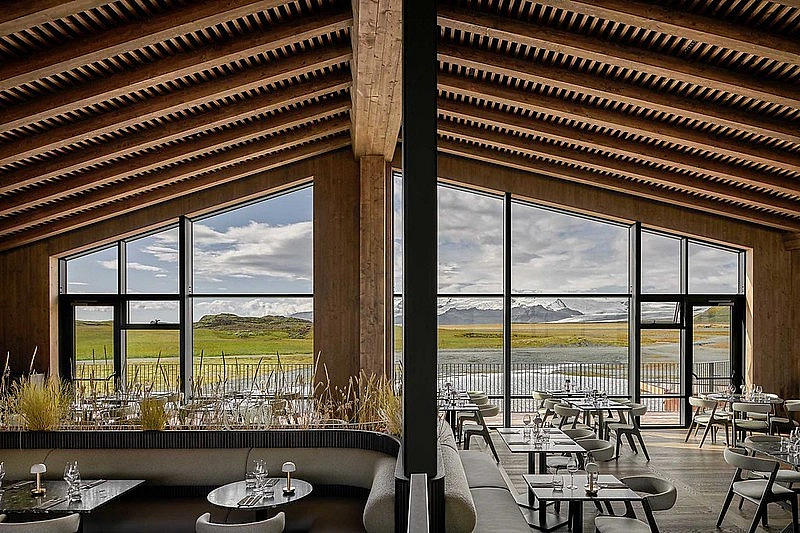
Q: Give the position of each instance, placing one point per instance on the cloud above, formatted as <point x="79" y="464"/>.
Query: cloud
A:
<point x="255" y="251"/>
<point x="144" y="268"/>
<point x="110" y="264"/>
<point x="252" y="307"/>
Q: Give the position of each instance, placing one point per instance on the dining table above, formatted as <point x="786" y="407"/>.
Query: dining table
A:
<point x="541" y="485"/>
<point x="17" y="498"/>
<point x="597" y="408"/>
<point x="772" y="449"/>
<point x="238" y="495"/>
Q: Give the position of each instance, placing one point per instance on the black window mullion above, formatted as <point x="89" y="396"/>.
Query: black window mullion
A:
<point x="507" y="310"/>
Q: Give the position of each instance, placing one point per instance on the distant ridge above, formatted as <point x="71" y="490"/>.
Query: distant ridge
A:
<point x="296" y="328"/>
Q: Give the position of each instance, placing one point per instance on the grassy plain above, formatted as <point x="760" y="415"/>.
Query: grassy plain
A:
<point x="294" y="347"/>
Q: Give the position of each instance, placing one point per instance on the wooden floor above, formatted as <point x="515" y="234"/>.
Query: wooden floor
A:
<point x="701" y="476"/>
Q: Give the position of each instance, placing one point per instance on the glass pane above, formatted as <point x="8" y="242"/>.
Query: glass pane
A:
<point x="94" y="349"/>
<point x="155" y="312"/>
<point x="711" y="348"/>
<point x="398" y="330"/>
<point x="93" y="273"/>
<point x="661" y="264"/>
<point x="152" y="263"/>
<point x="253" y="342"/>
<point x="471" y="346"/>
<point x="583" y="339"/>
<point x="397" y="228"/>
<point x="712" y="270"/>
<point x="661" y="376"/>
<point x="470" y="242"/>
<point x="661" y="313"/>
<point x="553" y="252"/>
<point x="152" y="360"/>
<point x="264" y="247"/>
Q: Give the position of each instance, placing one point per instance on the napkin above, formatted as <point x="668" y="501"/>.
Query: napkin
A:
<point x="541" y="484"/>
<point x="517" y="442"/>
<point x="507" y="431"/>
<point x="613" y="486"/>
<point x="563" y="442"/>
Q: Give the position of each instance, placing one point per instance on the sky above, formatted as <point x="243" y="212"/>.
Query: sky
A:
<point x="266" y="247"/>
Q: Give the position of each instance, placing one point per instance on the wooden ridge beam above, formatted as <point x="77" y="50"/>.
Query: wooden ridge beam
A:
<point x="174" y="154"/>
<point x="550" y="105"/>
<point x="707" y="30"/>
<point x="154" y="137"/>
<point x="617" y="91"/>
<point x="377" y="90"/>
<point x="137" y="34"/>
<point x="637" y="59"/>
<point x="605" y="164"/>
<point x="585" y="177"/>
<point x="16" y="16"/>
<point x="172" y="67"/>
<point x="159" y="106"/>
<point x="246" y="158"/>
<point x="617" y="145"/>
<point x="310" y="148"/>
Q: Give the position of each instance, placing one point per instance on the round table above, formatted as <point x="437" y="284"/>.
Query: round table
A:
<point x="230" y="495"/>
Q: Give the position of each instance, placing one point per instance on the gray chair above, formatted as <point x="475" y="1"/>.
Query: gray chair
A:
<point x="601" y="450"/>
<point x="750" y="417"/>
<point x="705" y="415"/>
<point x="568" y="416"/>
<point x="541" y="408"/>
<point x="481" y="429"/>
<point x="761" y="492"/>
<point x="479" y="399"/>
<point x="64" y="524"/>
<point x="271" y="525"/>
<point x="661" y="496"/>
<point x="630" y="429"/>
<point x="578" y="434"/>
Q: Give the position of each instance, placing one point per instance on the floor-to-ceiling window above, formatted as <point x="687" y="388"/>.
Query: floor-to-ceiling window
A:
<point x="530" y="296"/>
<point x="248" y="304"/>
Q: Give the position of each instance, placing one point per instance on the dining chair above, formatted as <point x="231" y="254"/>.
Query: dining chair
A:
<point x="578" y="434"/>
<point x="660" y="496"/>
<point x="479" y="398"/>
<point x="761" y="492"/>
<point x="601" y="450"/>
<point x="271" y="525"/>
<point x="568" y="416"/>
<point x="540" y="397"/>
<point x="705" y="415"/>
<point x="784" y="424"/>
<point x="549" y="406"/>
<point x="743" y="422"/>
<point x="481" y="428"/>
<point x="64" y="524"/>
<point x="630" y="428"/>
<point x="784" y="475"/>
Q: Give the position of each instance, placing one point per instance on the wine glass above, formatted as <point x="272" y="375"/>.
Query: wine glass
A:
<point x="69" y="476"/>
<point x="260" y="471"/>
<point x="572" y="467"/>
<point x="2" y="474"/>
<point x="526" y="419"/>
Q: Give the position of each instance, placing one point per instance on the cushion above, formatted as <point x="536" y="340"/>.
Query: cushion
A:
<point x="459" y="509"/>
<point x="620" y="524"/>
<point x="497" y="512"/>
<point x="481" y="470"/>
<point x="271" y="525"/>
<point x="754" y="488"/>
<point x="379" y="509"/>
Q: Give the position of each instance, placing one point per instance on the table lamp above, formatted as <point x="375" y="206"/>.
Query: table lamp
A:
<point x="38" y="469"/>
<point x="288" y="467"/>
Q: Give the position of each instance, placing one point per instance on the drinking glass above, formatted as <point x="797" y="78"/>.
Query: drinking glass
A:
<point x="558" y="482"/>
<point x="572" y="467"/>
<point x="2" y="474"/>
<point x="260" y="471"/>
<point x="526" y="419"/>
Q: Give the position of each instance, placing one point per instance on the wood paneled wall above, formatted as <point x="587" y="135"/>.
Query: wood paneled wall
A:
<point x="29" y="277"/>
<point x="773" y="284"/>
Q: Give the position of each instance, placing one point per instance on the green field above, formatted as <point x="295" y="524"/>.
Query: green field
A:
<point x="292" y="338"/>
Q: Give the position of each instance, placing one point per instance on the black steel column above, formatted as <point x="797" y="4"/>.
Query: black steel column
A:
<point x="186" y="316"/>
<point x="419" y="237"/>
<point x="507" y="309"/>
<point x="634" y="313"/>
<point x="121" y="320"/>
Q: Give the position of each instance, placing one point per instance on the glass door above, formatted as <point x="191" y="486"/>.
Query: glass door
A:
<point x="716" y="355"/>
<point x="94" y="348"/>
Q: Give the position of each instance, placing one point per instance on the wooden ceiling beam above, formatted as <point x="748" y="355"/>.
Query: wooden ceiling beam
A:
<point x="137" y="34"/>
<point x="153" y="137"/>
<point x="617" y="91"/>
<point x="310" y="148"/>
<point x="616" y="145"/>
<point x="606" y="52"/>
<point x="174" y="154"/>
<point x="246" y="158"/>
<point x="604" y="164"/>
<point x="153" y="108"/>
<point x="173" y="67"/>
<point x="707" y="30"/>
<point x="377" y="94"/>
<point x="737" y="150"/>
<point x="16" y="16"/>
<point x="585" y="177"/>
